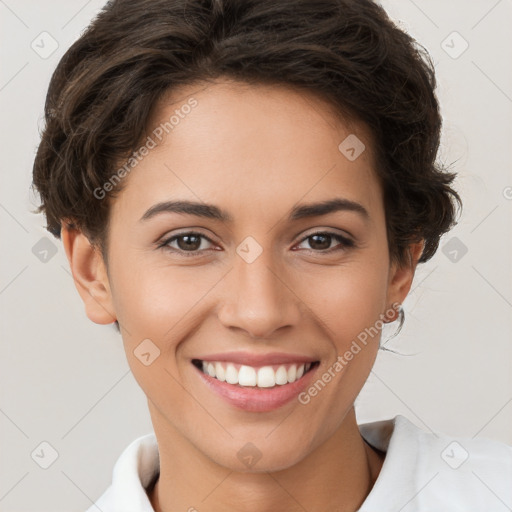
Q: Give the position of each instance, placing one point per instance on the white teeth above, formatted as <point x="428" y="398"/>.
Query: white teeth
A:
<point x="263" y="377"/>
<point x="231" y="374"/>
<point x="247" y="376"/>
<point x="292" y="373"/>
<point x="281" y="376"/>
<point x="266" y="377"/>
<point x="219" y="372"/>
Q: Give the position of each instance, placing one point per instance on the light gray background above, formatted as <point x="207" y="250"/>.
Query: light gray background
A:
<point x="65" y="380"/>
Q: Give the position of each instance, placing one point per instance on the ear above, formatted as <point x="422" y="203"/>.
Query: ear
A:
<point x="90" y="275"/>
<point x="401" y="276"/>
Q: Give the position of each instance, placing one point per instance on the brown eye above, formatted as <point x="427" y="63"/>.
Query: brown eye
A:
<point x="321" y="242"/>
<point x="189" y="242"/>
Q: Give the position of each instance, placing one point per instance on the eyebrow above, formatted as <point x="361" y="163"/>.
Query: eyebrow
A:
<point x="211" y="211"/>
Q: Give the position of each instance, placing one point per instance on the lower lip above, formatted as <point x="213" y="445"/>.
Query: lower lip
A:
<point x="254" y="399"/>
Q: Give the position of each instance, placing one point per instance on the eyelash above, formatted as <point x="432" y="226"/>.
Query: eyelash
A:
<point x="345" y="242"/>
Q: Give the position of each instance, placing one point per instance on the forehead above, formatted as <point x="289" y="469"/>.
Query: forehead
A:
<point x="272" y="110"/>
<point x="265" y="144"/>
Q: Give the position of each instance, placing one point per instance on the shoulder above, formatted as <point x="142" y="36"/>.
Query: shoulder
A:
<point x="426" y="469"/>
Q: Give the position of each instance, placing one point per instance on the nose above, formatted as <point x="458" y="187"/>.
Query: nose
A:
<point x="258" y="299"/>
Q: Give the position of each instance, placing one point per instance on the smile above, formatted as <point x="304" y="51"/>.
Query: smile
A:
<point x="250" y="376"/>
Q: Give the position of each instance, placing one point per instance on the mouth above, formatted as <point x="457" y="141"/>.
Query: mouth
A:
<point x="264" y="377"/>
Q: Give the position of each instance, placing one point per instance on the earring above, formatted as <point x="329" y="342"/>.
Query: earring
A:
<point x="401" y="315"/>
<point x="398" y="312"/>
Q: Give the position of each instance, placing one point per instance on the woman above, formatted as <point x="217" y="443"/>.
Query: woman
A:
<point x="246" y="188"/>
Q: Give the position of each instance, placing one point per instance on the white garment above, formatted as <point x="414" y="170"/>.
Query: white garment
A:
<point x="422" y="472"/>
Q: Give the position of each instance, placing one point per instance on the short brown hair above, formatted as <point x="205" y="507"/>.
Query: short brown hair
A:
<point x="348" y="52"/>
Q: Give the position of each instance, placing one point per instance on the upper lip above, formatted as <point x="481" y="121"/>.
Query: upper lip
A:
<point x="251" y="359"/>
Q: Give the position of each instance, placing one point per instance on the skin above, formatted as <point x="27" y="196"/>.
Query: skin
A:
<point x="256" y="152"/>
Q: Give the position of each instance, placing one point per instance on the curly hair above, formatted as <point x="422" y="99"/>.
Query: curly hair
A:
<point x="348" y="52"/>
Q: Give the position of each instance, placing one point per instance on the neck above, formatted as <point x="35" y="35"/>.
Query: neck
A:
<point x="337" y="475"/>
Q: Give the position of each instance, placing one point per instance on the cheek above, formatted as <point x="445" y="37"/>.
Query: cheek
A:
<point x="154" y="305"/>
<point x="347" y="299"/>
<point x="158" y="300"/>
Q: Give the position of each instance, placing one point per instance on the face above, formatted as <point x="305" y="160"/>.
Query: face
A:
<point x="272" y="284"/>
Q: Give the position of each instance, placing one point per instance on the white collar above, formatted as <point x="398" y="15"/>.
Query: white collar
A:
<point x="414" y="459"/>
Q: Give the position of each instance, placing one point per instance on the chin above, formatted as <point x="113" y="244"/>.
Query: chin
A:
<point x="248" y="458"/>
